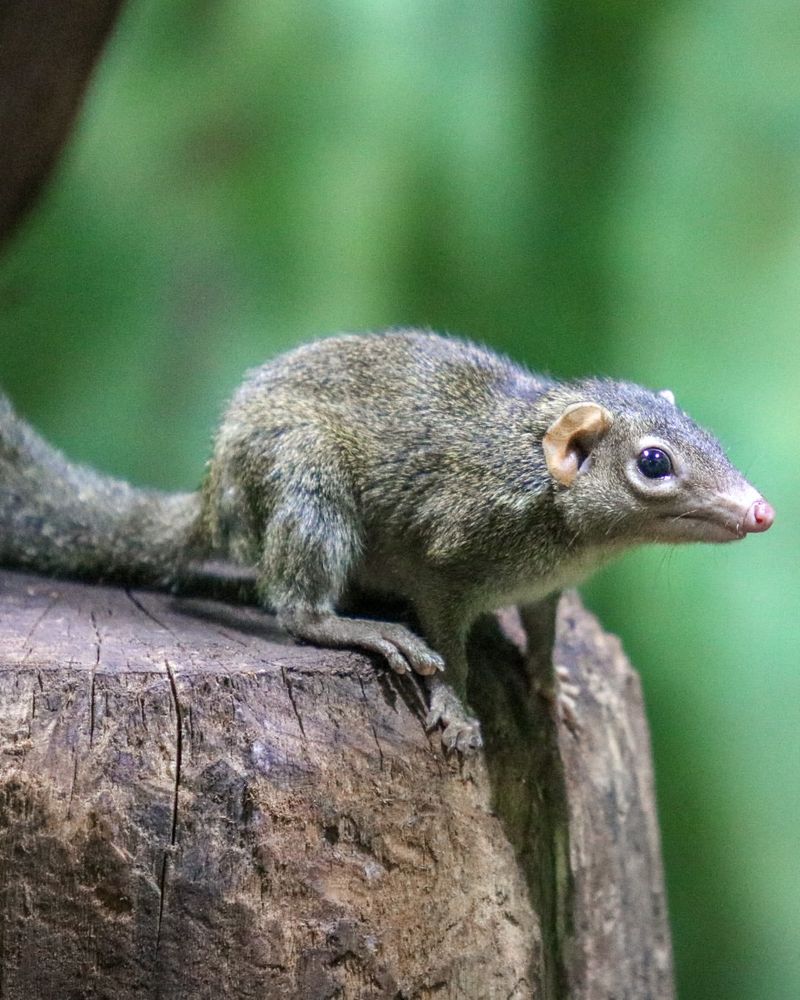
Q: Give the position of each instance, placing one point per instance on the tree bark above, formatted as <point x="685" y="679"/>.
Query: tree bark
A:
<point x="194" y="806"/>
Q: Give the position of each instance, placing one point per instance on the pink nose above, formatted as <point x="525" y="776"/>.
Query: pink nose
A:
<point x="759" y="517"/>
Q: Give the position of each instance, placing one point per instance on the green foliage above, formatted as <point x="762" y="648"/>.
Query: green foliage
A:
<point x="591" y="187"/>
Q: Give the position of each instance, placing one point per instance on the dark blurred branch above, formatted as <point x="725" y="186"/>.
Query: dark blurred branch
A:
<point x="47" y="51"/>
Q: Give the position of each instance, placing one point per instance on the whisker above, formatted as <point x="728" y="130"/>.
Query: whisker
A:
<point x="687" y="513"/>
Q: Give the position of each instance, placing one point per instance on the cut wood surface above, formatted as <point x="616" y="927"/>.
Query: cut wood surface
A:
<point x="192" y="805"/>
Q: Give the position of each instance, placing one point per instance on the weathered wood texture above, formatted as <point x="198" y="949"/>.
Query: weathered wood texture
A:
<point x="192" y="806"/>
<point x="47" y="51"/>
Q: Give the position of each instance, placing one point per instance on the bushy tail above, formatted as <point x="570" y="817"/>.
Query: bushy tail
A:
<point x="68" y="520"/>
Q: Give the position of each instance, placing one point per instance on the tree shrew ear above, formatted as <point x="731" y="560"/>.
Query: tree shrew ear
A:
<point x="668" y="394"/>
<point x="570" y="439"/>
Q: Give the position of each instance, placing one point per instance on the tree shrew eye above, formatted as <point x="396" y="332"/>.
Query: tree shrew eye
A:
<point x="654" y="463"/>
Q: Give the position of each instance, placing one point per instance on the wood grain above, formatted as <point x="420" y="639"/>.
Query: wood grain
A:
<point x="191" y="805"/>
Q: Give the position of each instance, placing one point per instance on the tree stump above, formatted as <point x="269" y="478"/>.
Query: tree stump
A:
<point x="194" y="806"/>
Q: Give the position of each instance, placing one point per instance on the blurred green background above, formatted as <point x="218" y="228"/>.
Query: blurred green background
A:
<point x="593" y="187"/>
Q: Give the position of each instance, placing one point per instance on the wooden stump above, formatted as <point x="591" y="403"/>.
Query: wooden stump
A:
<point x="193" y="806"/>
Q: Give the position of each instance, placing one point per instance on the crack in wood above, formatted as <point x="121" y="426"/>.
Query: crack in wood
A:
<point x="38" y="621"/>
<point x="231" y="638"/>
<point x="178" y="749"/>
<point x="371" y="724"/>
<point x="175" y="800"/>
<point x="162" y="884"/>
<point x="93" y="679"/>
<point x="71" y="789"/>
<point x="149" y="614"/>
<point x="290" y="692"/>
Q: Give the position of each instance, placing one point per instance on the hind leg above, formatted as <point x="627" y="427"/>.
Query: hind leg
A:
<point x="446" y="627"/>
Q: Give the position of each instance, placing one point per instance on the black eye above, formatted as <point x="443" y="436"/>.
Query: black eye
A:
<point x="654" y="463"/>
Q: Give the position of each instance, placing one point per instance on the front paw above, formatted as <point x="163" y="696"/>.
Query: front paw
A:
<point x="399" y="646"/>
<point x="461" y="731"/>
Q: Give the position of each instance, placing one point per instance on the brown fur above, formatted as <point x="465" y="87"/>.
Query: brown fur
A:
<point x="404" y="463"/>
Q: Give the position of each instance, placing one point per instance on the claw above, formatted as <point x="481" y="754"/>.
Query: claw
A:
<point x="461" y="732"/>
<point x="468" y="739"/>
<point x="462" y="736"/>
<point x="568" y="710"/>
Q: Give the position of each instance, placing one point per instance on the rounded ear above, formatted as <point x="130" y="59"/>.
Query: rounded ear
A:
<point x="668" y="394"/>
<point x="570" y="439"/>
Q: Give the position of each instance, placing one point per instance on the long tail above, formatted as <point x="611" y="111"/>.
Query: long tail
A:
<point x="68" y="520"/>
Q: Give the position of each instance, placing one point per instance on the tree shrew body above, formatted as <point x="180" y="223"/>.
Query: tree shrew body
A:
<point x="401" y="463"/>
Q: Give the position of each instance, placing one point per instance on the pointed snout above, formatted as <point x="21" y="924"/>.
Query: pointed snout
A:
<point x="759" y="517"/>
<point x="725" y="516"/>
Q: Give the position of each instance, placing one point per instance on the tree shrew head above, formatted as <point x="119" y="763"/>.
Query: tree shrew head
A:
<point x="629" y="466"/>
